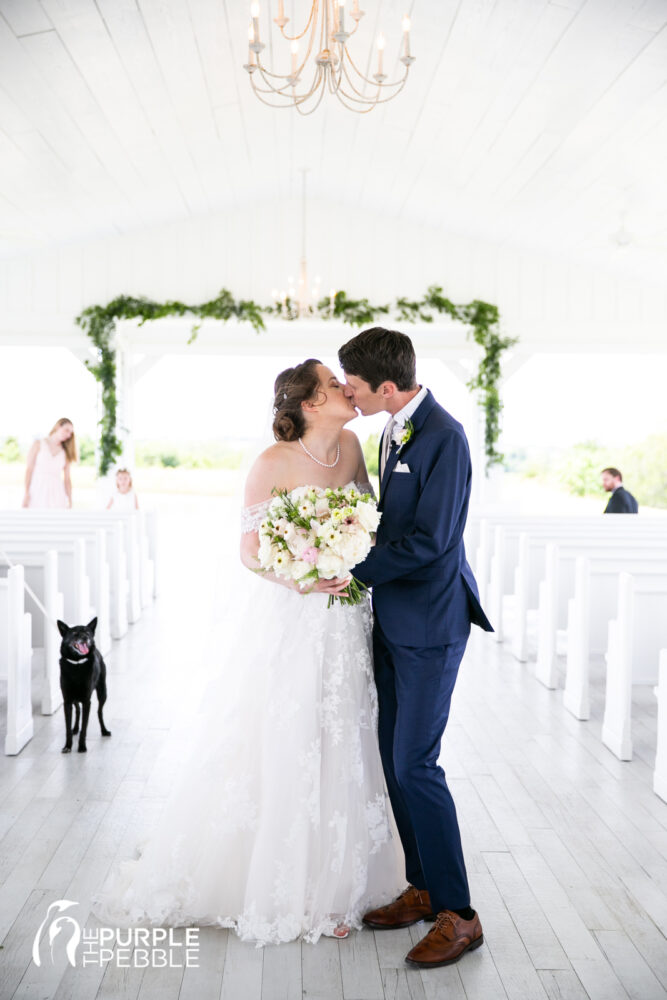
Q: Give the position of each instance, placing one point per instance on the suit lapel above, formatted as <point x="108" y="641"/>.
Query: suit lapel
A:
<point x="391" y="462"/>
<point x="418" y="419"/>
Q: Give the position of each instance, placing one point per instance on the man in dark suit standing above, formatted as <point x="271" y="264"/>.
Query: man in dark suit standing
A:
<point x="425" y="598"/>
<point x="621" y="500"/>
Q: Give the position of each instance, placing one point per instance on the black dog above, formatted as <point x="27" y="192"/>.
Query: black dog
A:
<point x="82" y="671"/>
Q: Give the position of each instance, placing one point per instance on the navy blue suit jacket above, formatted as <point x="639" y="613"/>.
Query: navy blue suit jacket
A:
<point x="424" y="591"/>
<point x="622" y="502"/>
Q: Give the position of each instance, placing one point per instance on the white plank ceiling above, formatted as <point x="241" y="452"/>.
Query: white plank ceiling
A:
<point x="534" y="123"/>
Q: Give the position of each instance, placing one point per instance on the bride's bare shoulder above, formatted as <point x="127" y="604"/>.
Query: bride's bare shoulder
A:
<point x="275" y="454"/>
<point x="266" y="472"/>
<point x="350" y="442"/>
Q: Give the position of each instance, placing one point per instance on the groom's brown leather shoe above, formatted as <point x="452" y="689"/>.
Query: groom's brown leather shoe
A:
<point x="446" y="941"/>
<point x="411" y="906"/>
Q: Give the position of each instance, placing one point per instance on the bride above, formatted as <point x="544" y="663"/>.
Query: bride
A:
<point x="281" y="826"/>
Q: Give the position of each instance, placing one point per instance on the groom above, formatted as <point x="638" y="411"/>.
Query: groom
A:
<point x="424" y="599"/>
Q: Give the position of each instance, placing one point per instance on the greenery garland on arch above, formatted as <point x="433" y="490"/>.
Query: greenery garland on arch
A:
<point x="99" y="323"/>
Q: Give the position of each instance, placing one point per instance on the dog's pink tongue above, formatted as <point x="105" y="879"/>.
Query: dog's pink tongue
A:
<point x="82" y="647"/>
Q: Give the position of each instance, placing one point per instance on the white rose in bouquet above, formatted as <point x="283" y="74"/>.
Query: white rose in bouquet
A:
<point x="322" y="507"/>
<point x="330" y="565"/>
<point x="369" y="516"/>
<point x="353" y="548"/>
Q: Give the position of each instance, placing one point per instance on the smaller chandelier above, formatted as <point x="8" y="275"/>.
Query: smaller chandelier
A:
<point x="325" y="36"/>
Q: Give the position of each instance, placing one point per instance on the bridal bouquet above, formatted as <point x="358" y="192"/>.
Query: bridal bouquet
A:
<point x="310" y="533"/>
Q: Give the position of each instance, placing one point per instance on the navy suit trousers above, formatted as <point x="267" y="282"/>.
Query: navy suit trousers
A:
<point x="415" y="685"/>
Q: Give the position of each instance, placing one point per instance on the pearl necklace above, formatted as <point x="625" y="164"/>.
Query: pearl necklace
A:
<point x="327" y="465"/>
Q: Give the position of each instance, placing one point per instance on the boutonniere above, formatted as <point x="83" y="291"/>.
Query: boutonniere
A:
<point x="401" y="435"/>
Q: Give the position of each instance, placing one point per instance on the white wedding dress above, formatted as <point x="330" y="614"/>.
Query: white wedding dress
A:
<point x="281" y="825"/>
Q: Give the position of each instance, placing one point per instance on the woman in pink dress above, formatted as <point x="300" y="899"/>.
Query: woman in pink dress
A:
<point x="47" y="478"/>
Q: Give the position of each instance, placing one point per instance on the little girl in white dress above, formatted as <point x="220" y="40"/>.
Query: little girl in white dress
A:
<point x="123" y="497"/>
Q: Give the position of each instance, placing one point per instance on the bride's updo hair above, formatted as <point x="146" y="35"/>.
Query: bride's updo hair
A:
<point x="293" y="387"/>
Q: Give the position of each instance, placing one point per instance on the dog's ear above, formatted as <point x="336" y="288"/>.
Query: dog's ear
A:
<point x="62" y="628"/>
<point x="92" y="625"/>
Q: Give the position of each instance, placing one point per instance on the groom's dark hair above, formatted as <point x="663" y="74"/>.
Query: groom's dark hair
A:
<point x="378" y="355"/>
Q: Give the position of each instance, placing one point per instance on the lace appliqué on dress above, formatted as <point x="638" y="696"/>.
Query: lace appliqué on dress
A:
<point x="366" y="488"/>
<point x="252" y="517"/>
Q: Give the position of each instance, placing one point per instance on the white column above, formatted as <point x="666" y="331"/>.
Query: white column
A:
<point x="493" y="482"/>
<point x="125" y="395"/>
<point x="131" y="367"/>
<point x="479" y="491"/>
<point x="475" y="426"/>
<point x="84" y="354"/>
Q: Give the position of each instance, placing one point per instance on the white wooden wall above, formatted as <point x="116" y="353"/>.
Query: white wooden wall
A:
<point x="547" y="300"/>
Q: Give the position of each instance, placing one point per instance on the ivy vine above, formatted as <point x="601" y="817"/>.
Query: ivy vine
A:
<point x="481" y="318"/>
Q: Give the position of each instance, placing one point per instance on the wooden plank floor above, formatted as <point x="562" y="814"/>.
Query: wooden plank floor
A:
<point x="566" y="846"/>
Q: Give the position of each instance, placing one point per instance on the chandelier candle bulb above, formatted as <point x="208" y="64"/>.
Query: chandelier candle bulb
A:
<point x="406" y="36"/>
<point x="254" y="13"/>
<point x="341" y="16"/>
<point x="295" y="52"/>
<point x="381" y="43"/>
<point x="251" y="65"/>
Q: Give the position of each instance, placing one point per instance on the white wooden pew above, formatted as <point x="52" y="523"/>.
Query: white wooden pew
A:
<point x="73" y="580"/>
<point x="636" y="636"/>
<point x="140" y="528"/>
<point x="480" y="528"/>
<point x="153" y="544"/>
<point x="15" y="660"/>
<point x="122" y="547"/>
<point x="576" y="694"/>
<point x="12" y="524"/>
<point x="660" y="771"/>
<point x="558" y="591"/>
<point x="593" y="605"/>
<point x="531" y="570"/>
<point x="140" y="541"/>
<point x="41" y="575"/>
<point x="149" y="561"/>
<point x="132" y="527"/>
<point x="98" y="574"/>
<point x="498" y="552"/>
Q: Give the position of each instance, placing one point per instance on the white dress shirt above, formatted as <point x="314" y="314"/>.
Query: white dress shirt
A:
<point x="410" y="406"/>
<point x="399" y="418"/>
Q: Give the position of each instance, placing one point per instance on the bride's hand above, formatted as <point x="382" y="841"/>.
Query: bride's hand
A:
<point x="337" y="586"/>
